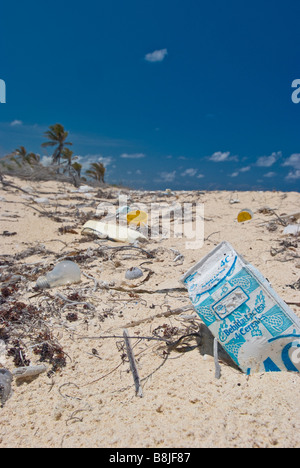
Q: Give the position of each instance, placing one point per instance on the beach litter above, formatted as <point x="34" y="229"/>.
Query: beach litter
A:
<point x="113" y="231"/>
<point x="250" y="321"/>
<point x="122" y="210"/>
<point x="137" y="218"/>
<point x="20" y="374"/>
<point x="84" y="189"/>
<point x="244" y="215"/>
<point x="5" y="385"/>
<point x="292" y="229"/>
<point x="64" y="273"/>
<point x="42" y="201"/>
<point x="24" y="373"/>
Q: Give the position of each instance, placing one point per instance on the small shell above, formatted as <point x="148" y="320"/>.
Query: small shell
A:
<point x="133" y="273"/>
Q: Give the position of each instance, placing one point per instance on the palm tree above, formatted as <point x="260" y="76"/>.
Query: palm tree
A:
<point x="21" y="152"/>
<point x="77" y="167"/>
<point x="97" y="171"/>
<point x="67" y="154"/>
<point x="30" y="158"/>
<point x="57" y="137"/>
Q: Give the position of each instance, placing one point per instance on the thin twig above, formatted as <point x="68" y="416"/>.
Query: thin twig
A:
<point x="128" y="247"/>
<point x="168" y="313"/>
<point x="133" y="366"/>
<point x="96" y="282"/>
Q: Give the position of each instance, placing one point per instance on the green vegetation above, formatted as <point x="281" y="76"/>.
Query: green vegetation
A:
<point x="57" y="137"/>
<point x="97" y="172"/>
<point x="64" y="165"/>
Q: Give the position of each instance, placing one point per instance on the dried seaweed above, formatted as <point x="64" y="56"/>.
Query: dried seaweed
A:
<point x="23" y="326"/>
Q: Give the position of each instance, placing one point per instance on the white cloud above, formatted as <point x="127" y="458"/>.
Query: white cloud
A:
<point x="105" y="160"/>
<point x="133" y="156"/>
<point x="293" y="175"/>
<point x="245" y="169"/>
<point x="234" y="174"/>
<point x="267" y="161"/>
<point x="156" y="56"/>
<point x="87" y="159"/>
<point x="200" y="176"/>
<point x="220" y="156"/>
<point x="46" y="160"/>
<point x="167" y="176"/>
<point x="14" y="123"/>
<point x="270" y="174"/>
<point x="189" y="172"/>
<point x="293" y="160"/>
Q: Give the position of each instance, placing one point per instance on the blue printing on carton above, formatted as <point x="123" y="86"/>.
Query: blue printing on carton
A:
<point x="255" y="316"/>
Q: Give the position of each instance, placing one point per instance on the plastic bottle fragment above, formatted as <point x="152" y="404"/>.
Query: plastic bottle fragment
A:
<point x="293" y="229"/>
<point x="113" y="231"/>
<point x="5" y="386"/>
<point x="65" y="272"/>
<point x="28" y="372"/>
<point x="122" y="210"/>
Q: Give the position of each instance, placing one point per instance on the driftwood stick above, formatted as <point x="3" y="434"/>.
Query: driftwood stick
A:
<point x="168" y="313"/>
<point x="146" y="291"/>
<point x="133" y="367"/>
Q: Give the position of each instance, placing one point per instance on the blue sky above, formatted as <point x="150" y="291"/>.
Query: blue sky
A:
<point x="167" y="94"/>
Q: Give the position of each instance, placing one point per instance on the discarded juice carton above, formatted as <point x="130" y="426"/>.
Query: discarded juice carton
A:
<point x="251" y="322"/>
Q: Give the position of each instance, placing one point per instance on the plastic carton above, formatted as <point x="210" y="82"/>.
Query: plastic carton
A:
<point x="252" y="323"/>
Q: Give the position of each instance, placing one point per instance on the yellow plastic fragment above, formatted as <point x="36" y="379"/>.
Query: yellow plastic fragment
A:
<point x="139" y="218"/>
<point x="244" y="215"/>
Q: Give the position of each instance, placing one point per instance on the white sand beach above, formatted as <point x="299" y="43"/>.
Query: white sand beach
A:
<point x="87" y="396"/>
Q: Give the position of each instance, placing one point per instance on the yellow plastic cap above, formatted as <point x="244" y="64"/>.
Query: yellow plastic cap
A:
<point x="244" y="215"/>
<point x="139" y="218"/>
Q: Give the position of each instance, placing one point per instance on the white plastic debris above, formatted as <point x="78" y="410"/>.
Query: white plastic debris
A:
<point x="5" y="385"/>
<point x="293" y="229"/>
<point x="113" y="231"/>
<point x="42" y="201"/>
<point x="85" y="189"/>
<point x="28" y="372"/>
